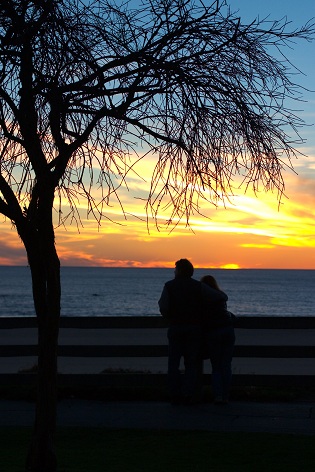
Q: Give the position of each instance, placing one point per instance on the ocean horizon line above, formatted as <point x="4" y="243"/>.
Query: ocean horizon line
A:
<point x="164" y="267"/>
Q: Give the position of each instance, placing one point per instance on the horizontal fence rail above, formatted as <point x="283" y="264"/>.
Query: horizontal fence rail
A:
<point x="251" y="350"/>
<point x="298" y="352"/>
<point x="114" y="322"/>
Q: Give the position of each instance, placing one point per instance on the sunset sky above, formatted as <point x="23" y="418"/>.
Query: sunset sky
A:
<point x="249" y="232"/>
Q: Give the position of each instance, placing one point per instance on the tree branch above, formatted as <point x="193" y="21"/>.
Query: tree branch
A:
<point x="10" y="206"/>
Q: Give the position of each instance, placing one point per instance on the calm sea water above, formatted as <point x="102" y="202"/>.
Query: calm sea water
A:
<point x="92" y="291"/>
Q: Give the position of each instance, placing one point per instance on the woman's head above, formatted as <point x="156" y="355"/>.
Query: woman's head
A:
<point x="210" y="280"/>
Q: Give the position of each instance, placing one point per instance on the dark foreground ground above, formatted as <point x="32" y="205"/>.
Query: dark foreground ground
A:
<point x="294" y="417"/>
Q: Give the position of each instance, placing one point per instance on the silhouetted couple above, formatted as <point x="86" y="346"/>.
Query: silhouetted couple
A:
<point x="198" y="320"/>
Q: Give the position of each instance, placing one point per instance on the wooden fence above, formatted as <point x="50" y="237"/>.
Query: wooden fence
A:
<point x="269" y="351"/>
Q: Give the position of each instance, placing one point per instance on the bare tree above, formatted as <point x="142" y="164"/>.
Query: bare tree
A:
<point x="84" y="84"/>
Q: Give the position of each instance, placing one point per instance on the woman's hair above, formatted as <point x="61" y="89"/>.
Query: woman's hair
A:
<point x="210" y="280"/>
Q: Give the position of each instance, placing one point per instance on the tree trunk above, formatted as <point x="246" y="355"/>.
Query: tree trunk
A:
<point x="41" y="456"/>
<point x="45" y="269"/>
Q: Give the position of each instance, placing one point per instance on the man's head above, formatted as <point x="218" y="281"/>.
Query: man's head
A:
<point x="184" y="268"/>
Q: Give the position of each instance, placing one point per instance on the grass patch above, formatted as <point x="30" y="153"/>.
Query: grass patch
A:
<point x="97" y="450"/>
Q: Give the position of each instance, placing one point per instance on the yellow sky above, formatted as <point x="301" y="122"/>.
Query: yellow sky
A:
<point x="248" y="232"/>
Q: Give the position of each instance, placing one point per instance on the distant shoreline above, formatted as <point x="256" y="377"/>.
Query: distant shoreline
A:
<point x="166" y="268"/>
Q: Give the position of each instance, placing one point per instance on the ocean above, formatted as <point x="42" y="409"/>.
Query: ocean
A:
<point x="98" y="291"/>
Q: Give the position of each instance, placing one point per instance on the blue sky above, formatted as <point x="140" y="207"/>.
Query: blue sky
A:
<point x="302" y="53"/>
<point x="297" y="12"/>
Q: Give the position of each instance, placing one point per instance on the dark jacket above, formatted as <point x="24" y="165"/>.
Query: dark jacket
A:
<point x="181" y="301"/>
<point x="216" y="314"/>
